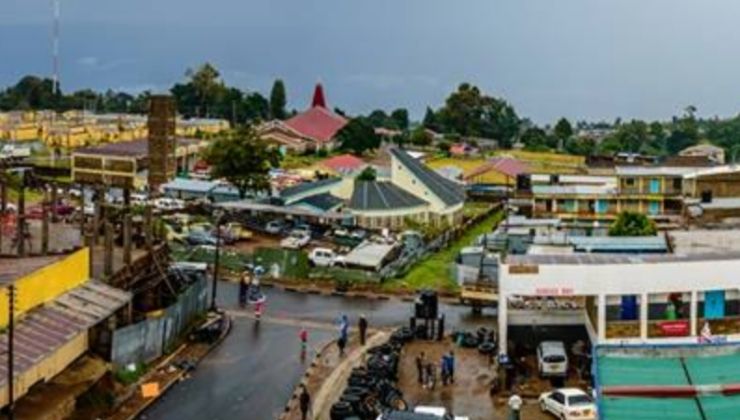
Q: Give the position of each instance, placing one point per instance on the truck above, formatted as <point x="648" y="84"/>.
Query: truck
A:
<point x="477" y="274"/>
<point x="11" y="152"/>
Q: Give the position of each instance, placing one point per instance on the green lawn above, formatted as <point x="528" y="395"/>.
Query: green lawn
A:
<point x="435" y="272"/>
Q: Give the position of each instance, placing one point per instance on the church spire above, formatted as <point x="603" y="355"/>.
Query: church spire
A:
<point x="318" y="97"/>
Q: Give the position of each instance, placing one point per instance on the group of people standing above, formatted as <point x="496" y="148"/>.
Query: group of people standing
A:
<point x="427" y="372"/>
<point x="362" y="325"/>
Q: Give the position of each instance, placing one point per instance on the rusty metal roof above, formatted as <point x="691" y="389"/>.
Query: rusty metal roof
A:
<point x="43" y="330"/>
<point x="13" y="268"/>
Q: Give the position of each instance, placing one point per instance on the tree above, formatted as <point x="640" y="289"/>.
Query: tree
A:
<point x="471" y="114"/>
<point x="685" y="131"/>
<point x="243" y="159"/>
<point x="205" y="81"/>
<point x="535" y="139"/>
<point x="563" y="132"/>
<point x="421" y="137"/>
<point x="367" y="174"/>
<point x="632" y="224"/>
<point x="430" y="120"/>
<point x="400" y="117"/>
<point x="278" y="100"/>
<point x="444" y="147"/>
<point x="358" y="136"/>
<point x="582" y="146"/>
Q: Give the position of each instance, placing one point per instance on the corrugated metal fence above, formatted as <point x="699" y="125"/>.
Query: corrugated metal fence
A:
<point x="147" y="340"/>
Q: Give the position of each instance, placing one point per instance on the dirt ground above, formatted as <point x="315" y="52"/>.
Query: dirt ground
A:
<point x="256" y="241"/>
<point x="469" y="395"/>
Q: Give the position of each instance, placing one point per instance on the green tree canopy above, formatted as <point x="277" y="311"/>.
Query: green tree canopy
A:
<point x="358" y="136"/>
<point x="563" y="132"/>
<point x="243" y="159"/>
<point x="632" y="224"/>
<point x="278" y="100"/>
<point x="421" y="137"/>
<point x="470" y="113"/>
<point x="207" y="84"/>
<point x="367" y="174"/>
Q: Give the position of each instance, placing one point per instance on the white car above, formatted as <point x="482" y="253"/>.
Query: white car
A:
<point x="296" y="240"/>
<point x="568" y="404"/>
<point x="552" y="360"/>
<point x="324" y="257"/>
<point x="426" y="412"/>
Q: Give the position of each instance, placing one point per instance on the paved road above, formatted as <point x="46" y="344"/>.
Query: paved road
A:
<point x="252" y="374"/>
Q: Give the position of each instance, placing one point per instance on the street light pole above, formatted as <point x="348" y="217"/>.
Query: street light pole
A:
<point x="217" y="260"/>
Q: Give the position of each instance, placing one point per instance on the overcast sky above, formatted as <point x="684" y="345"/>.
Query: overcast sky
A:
<point x="583" y="59"/>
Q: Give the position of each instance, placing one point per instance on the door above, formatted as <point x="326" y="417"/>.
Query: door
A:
<point x="654" y="186"/>
<point x="654" y="207"/>
<point x="714" y="304"/>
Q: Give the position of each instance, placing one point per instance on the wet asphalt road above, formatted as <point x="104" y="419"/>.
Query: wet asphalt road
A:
<point x="252" y="374"/>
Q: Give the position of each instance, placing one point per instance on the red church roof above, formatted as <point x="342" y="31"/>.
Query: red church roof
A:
<point x="317" y="123"/>
<point x="318" y="97"/>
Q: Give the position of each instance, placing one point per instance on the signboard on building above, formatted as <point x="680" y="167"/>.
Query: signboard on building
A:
<point x="678" y="328"/>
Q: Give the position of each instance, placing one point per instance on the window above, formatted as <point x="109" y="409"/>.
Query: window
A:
<point x="677" y="183"/>
<point x="630" y="182"/>
<point x="558" y="397"/>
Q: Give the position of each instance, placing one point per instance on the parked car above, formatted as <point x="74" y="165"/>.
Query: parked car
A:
<point x="421" y="413"/>
<point x="200" y="237"/>
<point x="166" y="203"/>
<point x="568" y="404"/>
<point x="238" y="231"/>
<point x="324" y="257"/>
<point x="552" y="359"/>
<point x="296" y="240"/>
<point x="274" y="227"/>
<point x="303" y="228"/>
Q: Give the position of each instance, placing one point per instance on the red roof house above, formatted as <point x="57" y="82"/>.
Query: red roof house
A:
<point x="343" y="164"/>
<point x="312" y="129"/>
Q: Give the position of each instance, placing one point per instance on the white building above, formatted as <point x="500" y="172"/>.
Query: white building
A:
<point x="701" y="288"/>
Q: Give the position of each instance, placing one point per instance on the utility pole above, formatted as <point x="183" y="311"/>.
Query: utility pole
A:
<point x="11" y="330"/>
<point x="217" y="259"/>
<point x="55" y="43"/>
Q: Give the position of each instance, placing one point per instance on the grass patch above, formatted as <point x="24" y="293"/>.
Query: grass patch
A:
<point x="435" y="272"/>
<point x="128" y="377"/>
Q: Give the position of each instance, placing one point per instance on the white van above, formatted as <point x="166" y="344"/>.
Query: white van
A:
<point x="552" y="359"/>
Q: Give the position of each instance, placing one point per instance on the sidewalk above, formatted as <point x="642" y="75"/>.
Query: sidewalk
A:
<point x="327" y="376"/>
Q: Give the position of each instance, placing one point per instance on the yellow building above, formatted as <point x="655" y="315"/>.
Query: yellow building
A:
<point x="56" y="305"/>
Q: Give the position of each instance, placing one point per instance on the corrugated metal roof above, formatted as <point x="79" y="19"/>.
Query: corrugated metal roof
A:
<point x="448" y="191"/>
<point x="382" y="195"/>
<point x="307" y="186"/>
<point x="619" y="243"/>
<point x="585" y="259"/>
<point x="190" y="185"/>
<point x="45" y="329"/>
<point x="13" y="268"/>
<point x="323" y="202"/>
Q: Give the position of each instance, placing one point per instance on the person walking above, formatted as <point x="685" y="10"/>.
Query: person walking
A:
<point x="420" y="359"/>
<point x="303" y="336"/>
<point x="515" y="407"/>
<point x="243" y="289"/>
<point x="444" y="373"/>
<point x="451" y="366"/>
<point x="304" y="401"/>
<point x="362" y="326"/>
<point x="341" y="343"/>
<point x="431" y="376"/>
<point x="344" y="327"/>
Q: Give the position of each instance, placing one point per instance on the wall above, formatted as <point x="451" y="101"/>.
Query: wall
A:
<point x="147" y="340"/>
<point x="47" y="368"/>
<point x="47" y="283"/>
<point x="595" y="279"/>
<point x="402" y="177"/>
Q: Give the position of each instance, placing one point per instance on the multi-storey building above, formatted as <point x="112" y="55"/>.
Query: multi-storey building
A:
<point x="661" y="192"/>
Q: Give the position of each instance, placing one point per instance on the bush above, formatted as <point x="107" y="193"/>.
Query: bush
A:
<point x="632" y="224"/>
